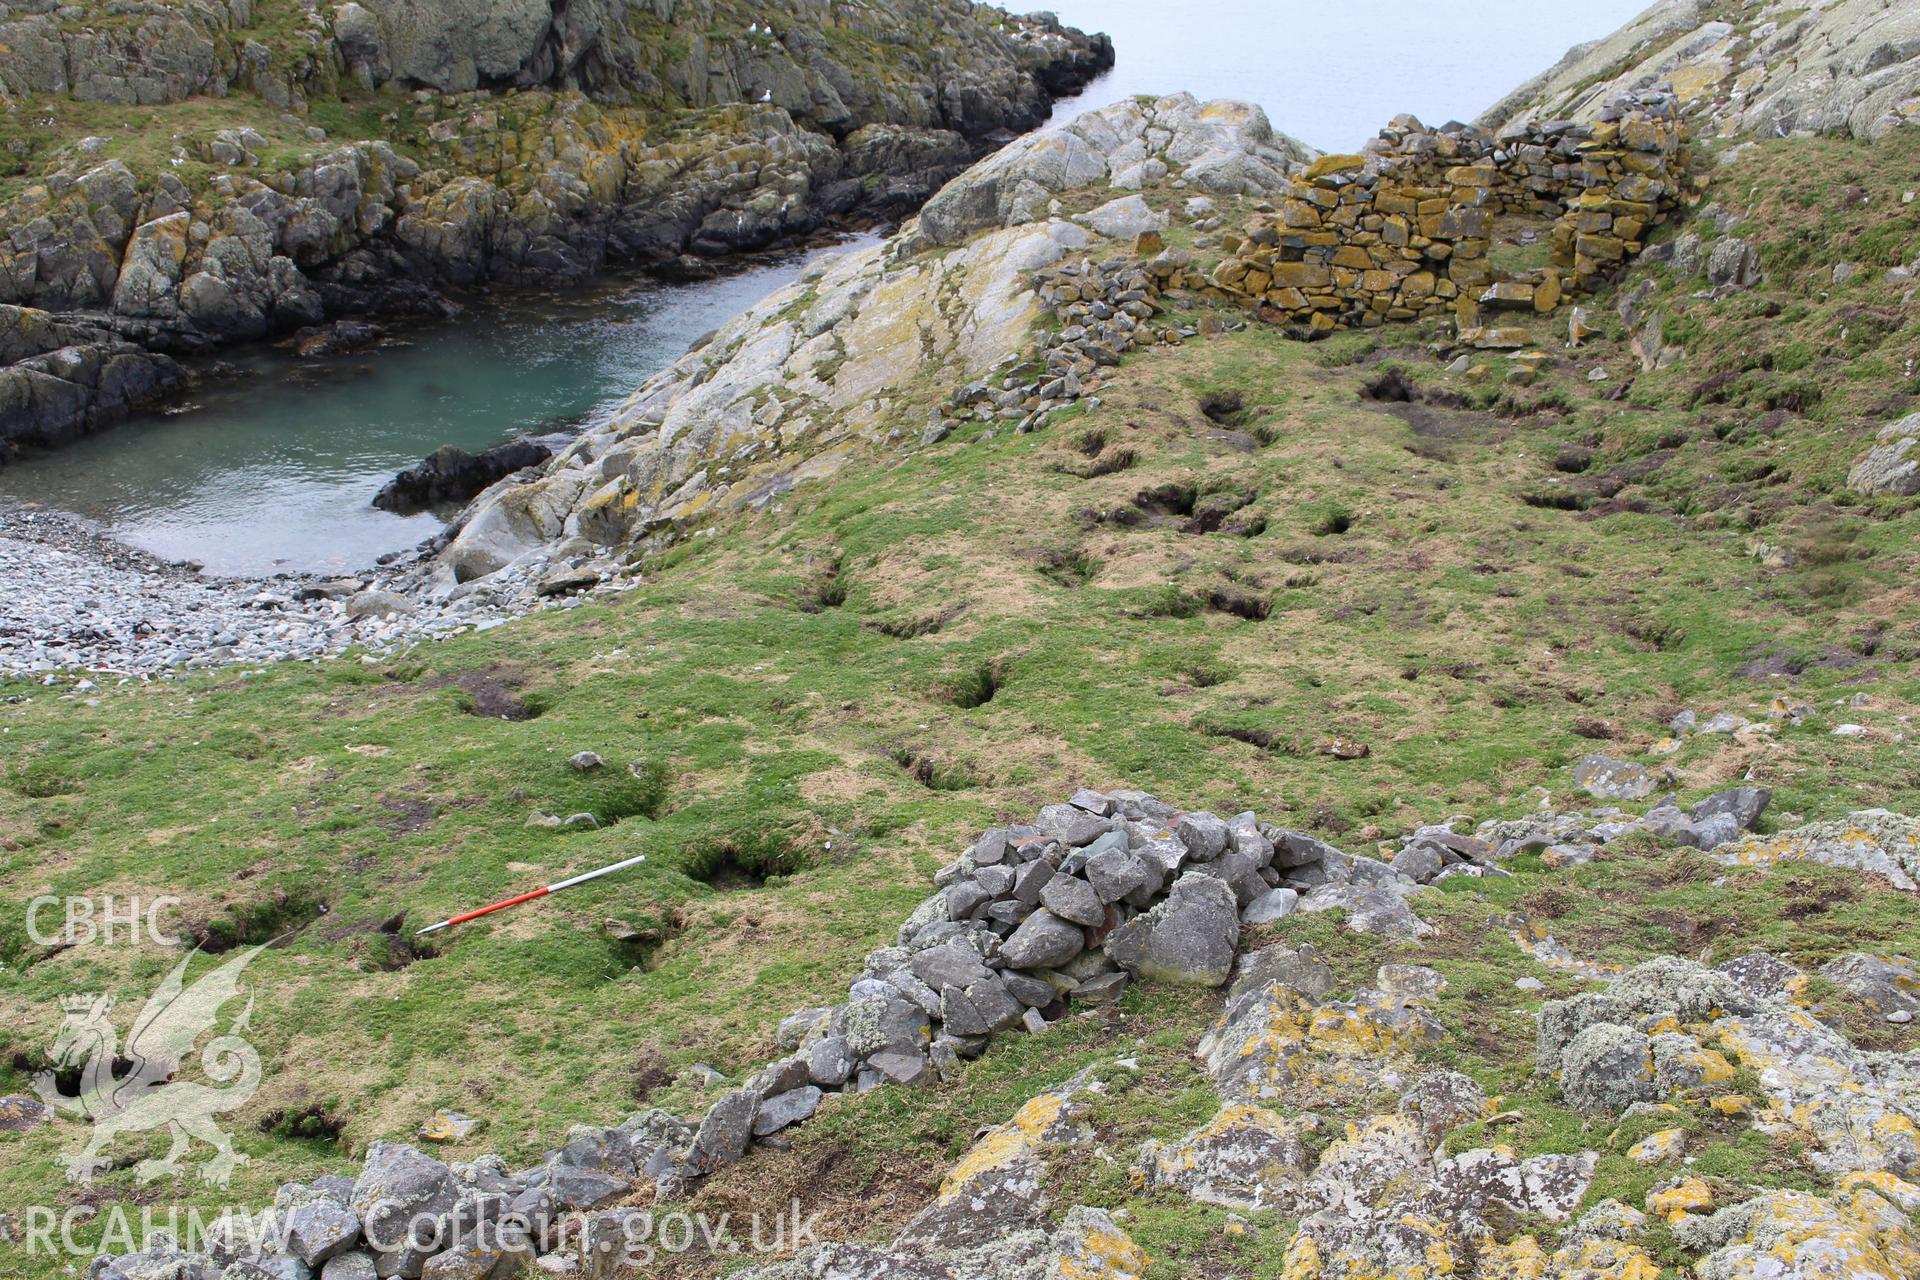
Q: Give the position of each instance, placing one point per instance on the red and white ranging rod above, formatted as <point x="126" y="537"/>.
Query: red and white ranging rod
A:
<point x="517" y="899"/>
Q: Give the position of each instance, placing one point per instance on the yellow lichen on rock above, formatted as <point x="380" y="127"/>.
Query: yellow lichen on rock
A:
<point x="1885" y="1185"/>
<point x="1677" y="1200"/>
<point x="1799" y="1234"/>
<point x="1523" y="1259"/>
<point x="1658" y="1148"/>
<point x="1410" y="1247"/>
<point x="1020" y="1136"/>
<point x="1090" y="1245"/>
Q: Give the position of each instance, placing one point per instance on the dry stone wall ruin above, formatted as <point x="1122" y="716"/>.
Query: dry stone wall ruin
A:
<point x="1405" y="230"/>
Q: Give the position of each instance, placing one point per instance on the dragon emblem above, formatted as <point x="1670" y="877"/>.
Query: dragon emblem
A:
<point x="134" y="1090"/>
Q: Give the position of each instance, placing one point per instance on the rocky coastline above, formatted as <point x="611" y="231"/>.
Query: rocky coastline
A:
<point x="116" y="265"/>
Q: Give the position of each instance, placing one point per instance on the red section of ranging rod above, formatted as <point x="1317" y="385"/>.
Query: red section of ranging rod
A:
<point x="517" y="899"/>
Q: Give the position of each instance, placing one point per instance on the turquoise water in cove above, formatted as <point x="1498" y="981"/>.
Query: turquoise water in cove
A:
<point x="276" y="470"/>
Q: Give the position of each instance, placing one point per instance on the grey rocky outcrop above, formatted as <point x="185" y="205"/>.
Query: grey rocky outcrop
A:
<point x="1672" y="1030"/>
<point x="1875" y="841"/>
<point x="60" y="377"/>
<point x="1891" y="468"/>
<point x="162" y="53"/>
<point x="1743" y="67"/>
<point x="972" y="68"/>
<point x="1886" y="985"/>
<point x="1221" y="147"/>
<point x="450" y="475"/>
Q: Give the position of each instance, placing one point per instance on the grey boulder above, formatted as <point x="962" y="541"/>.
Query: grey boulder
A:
<point x="320" y="1230"/>
<point x="1891" y="468"/>
<point x="1043" y="941"/>
<point x="1072" y="898"/>
<point x="1274" y="904"/>
<point x="785" y="1109"/>
<point x="1204" y="835"/>
<point x="1382" y="911"/>
<point x="1609" y="779"/>
<point x="725" y="1132"/>
<point x="1190" y="938"/>
<point x="397" y="1190"/>
<point x="1743" y="804"/>
<point x="1120" y="873"/>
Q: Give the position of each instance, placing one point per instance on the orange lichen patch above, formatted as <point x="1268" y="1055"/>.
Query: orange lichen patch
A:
<point x="1284" y="1032"/>
<point x="1523" y="1259"/>
<point x="1105" y="1255"/>
<point x="1702" y="1068"/>
<point x="1019" y="1138"/>
<point x="1731" y="1104"/>
<point x="1303" y="1260"/>
<point x="1870" y="840"/>
<point x="1885" y="1185"/>
<point x="1658" y="1148"/>
<point x="1666" y="1108"/>
<point x="1243" y="1116"/>
<point x="1408" y="1247"/>
<point x="1371" y="1027"/>
<point x="1245" y="1155"/>
<point x="1605" y="1260"/>
<point x="1893" y="1141"/>
<point x="1674" y="1202"/>
<point x="1287" y="1043"/>
<point x="445" y="1126"/>
<point x="1862" y="1239"/>
<point x="1860" y="1124"/>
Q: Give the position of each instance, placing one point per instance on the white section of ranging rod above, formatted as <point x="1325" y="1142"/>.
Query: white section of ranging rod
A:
<point x="529" y="896"/>
<point x="595" y="875"/>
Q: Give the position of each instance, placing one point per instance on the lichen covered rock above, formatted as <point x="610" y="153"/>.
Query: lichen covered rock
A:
<point x="1272" y="1042"/>
<point x="1793" y="1235"/>
<point x="1891" y="467"/>
<point x="1743" y="69"/>
<point x="997" y="1187"/>
<point x="1876" y="841"/>
<point x="1247" y="1157"/>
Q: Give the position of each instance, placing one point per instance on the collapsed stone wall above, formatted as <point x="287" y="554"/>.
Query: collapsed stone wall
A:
<point x="1094" y="893"/>
<point x="1406" y="229"/>
<point x="1102" y="890"/>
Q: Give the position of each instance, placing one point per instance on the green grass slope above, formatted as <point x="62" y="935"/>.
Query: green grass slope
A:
<point x="821" y="702"/>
